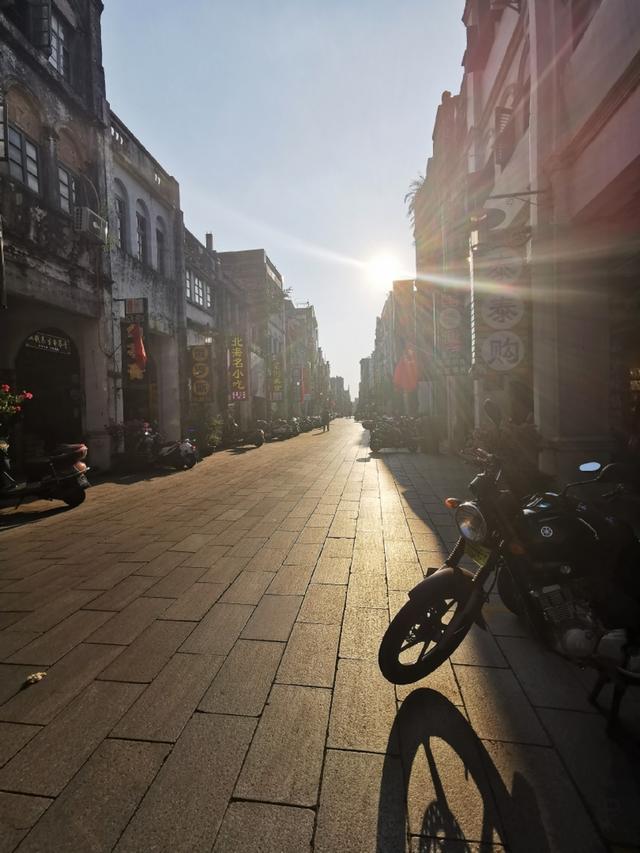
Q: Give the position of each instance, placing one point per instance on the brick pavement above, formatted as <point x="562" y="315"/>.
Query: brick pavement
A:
<point x="210" y="639"/>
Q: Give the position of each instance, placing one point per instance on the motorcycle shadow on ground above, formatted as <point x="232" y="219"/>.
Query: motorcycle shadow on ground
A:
<point x="14" y="517"/>
<point x="445" y="781"/>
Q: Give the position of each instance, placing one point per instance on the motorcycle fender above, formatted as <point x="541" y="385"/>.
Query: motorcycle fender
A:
<point x="442" y="578"/>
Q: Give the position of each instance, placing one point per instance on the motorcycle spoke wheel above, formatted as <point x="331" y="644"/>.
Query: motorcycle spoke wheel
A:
<point x="424" y="636"/>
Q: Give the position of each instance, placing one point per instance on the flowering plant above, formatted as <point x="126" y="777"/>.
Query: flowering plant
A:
<point x="11" y="404"/>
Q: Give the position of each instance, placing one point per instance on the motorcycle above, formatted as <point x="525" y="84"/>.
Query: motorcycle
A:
<point x="566" y="567"/>
<point x="233" y="436"/>
<point x="390" y="433"/>
<point x="59" y="476"/>
<point x="281" y="430"/>
<point x="180" y="455"/>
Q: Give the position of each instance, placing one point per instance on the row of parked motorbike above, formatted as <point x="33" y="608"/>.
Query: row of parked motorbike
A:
<point x="393" y="432"/>
<point x="278" y="429"/>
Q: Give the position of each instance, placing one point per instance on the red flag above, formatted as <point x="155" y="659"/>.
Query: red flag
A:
<point x="140" y="354"/>
<point x="405" y="376"/>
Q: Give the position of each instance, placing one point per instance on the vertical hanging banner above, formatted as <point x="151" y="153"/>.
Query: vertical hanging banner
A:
<point x="450" y="331"/>
<point x="276" y="378"/>
<point x="201" y="373"/>
<point x="134" y="351"/>
<point x="238" y="373"/>
<point x="405" y="372"/>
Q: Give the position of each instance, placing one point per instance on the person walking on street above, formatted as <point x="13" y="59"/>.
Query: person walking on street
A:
<point x="326" y="420"/>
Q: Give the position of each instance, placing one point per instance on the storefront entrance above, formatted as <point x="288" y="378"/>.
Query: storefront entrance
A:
<point x="48" y="365"/>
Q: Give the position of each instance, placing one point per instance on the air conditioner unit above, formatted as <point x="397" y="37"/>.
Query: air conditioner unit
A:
<point x="88" y="222"/>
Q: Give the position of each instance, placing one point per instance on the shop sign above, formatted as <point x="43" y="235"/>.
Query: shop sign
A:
<point x="276" y="378"/>
<point x="201" y="373"/>
<point x="238" y="385"/>
<point x="503" y="351"/>
<point x="135" y="356"/>
<point x="502" y="310"/>
<point x="136" y="311"/>
<point x="499" y="266"/>
<point x="49" y="342"/>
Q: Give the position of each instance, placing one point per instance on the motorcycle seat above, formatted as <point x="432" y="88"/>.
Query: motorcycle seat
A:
<point x="62" y="453"/>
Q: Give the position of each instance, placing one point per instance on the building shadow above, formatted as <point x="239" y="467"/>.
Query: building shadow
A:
<point x="428" y="729"/>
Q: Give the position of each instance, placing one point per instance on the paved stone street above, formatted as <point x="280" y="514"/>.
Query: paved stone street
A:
<point x="210" y="639"/>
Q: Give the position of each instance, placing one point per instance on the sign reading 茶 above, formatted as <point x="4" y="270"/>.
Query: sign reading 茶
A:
<point x="238" y="374"/>
<point x="201" y="373"/>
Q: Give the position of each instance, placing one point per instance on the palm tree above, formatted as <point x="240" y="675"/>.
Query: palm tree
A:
<point x="410" y="198"/>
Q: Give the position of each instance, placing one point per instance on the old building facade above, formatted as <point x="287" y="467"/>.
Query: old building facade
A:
<point x="55" y="332"/>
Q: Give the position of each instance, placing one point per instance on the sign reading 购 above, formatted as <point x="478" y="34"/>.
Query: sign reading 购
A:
<point x="201" y="373"/>
<point x="238" y="373"/>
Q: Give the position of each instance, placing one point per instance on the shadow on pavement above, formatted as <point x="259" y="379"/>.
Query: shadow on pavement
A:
<point x="22" y="515"/>
<point x="434" y="738"/>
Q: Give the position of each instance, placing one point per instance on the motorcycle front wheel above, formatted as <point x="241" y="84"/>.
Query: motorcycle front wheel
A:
<point x="419" y="638"/>
<point x="74" y="497"/>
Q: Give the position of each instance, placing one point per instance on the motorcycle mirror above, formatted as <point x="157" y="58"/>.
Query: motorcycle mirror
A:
<point x="590" y="467"/>
<point x="492" y="411"/>
<point x="613" y="473"/>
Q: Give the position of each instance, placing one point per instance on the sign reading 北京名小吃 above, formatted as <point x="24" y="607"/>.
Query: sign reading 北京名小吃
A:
<point x="238" y="373"/>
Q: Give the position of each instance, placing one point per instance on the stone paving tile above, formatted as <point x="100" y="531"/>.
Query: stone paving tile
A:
<point x="176" y="583"/>
<point x="183" y="809"/>
<point x="248" y="587"/>
<point x="122" y="594"/>
<point x="225" y="571"/>
<point x="8" y="618"/>
<point x="362" y="631"/>
<point x="323" y="603"/>
<point x="403" y="576"/>
<point x="218" y="631"/>
<point x="303" y="555"/>
<point x="332" y="570"/>
<point x="259" y="827"/>
<point x="163" y="564"/>
<point x="164" y="708"/>
<point x="290" y="580"/>
<point x="343" y="528"/>
<point x="242" y="685"/>
<point x="273" y="618"/>
<point x="47" y="763"/>
<point x="400" y="551"/>
<point x="311" y="536"/>
<point x="205" y="557"/>
<point x="13" y="737"/>
<point x="605" y="773"/>
<point x="147" y="553"/>
<point x="147" y="654"/>
<point x="479" y="648"/>
<point x="126" y="625"/>
<point x="41" y="702"/>
<point x="55" y="643"/>
<point x="99" y="802"/>
<point x="108" y="577"/>
<point x="497" y="706"/>
<point x="12" y="641"/>
<point x="310" y="657"/>
<point x="338" y="548"/>
<point x="363" y="708"/>
<point x="367" y="590"/>
<point x="17" y="815"/>
<point x="361" y="804"/>
<point x="501" y="622"/>
<point x="267" y="560"/>
<point x="285" y="760"/>
<point x="442" y="680"/>
<point x="193" y="542"/>
<point x="368" y="560"/>
<point x="59" y="608"/>
<point x="539" y="807"/>
<point x="195" y="603"/>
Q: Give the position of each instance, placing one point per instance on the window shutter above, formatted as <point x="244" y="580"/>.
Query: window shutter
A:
<point x="3" y="126"/>
<point x="505" y="135"/>
<point x="41" y="24"/>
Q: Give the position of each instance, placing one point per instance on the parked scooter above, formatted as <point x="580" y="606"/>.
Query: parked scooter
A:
<point x="233" y="436"/>
<point x="398" y="432"/>
<point x="280" y="429"/>
<point x="59" y="476"/>
<point x="173" y="454"/>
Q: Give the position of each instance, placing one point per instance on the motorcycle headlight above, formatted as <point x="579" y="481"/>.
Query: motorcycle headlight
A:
<point x="471" y="522"/>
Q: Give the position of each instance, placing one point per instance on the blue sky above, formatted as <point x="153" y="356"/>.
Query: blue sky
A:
<point x="294" y="126"/>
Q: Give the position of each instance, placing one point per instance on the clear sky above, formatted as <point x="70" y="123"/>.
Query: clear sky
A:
<point x="295" y="126"/>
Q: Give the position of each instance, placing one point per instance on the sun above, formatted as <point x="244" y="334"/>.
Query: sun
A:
<point x="382" y="269"/>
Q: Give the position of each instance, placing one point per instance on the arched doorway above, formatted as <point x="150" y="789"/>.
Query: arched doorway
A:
<point x="48" y="365"/>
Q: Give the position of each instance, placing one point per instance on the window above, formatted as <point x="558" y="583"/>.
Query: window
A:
<point x="207" y="293"/>
<point x="121" y="223"/>
<point x="142" y="237"/>
<point x="198" y="290"/>
<point x="23" y="159"/>
<point x="59" y="56"/>
<point x="67" y="189"/>
<point x="189" y="285"/>
<point x="161" y="250"/>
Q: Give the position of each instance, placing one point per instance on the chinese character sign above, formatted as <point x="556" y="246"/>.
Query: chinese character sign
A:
<point x="238" y="374"/>
<point x="502" y="310"/>
<point x="201" y="374"/>
<point x="135" y="355"/>
<point x="276" y="378"/>
<point x="503" y="350"/>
